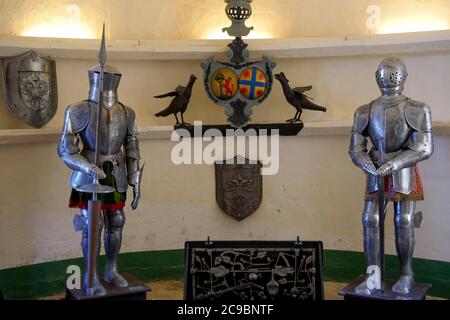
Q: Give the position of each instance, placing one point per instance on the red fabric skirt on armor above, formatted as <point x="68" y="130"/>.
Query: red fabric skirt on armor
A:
<point x="390" y="194"/>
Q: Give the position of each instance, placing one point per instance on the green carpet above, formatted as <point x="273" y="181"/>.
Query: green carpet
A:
<point x="46" y="279"/>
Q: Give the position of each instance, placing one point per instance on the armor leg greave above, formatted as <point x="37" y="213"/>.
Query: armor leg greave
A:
<point x="371" y="233"/>
<point x="371" y="240"/>
<point x="115" y="220"/>
<point x="405" y="243"/>
<point x="99" y="290"/>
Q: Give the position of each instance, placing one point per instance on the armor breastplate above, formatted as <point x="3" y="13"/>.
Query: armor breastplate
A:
<point x="388" y="124"/>
<point x="113" y="130"/>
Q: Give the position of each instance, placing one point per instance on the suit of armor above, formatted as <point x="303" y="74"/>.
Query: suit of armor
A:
<point x="402" y="129"/>
<point x="118" y="164"/>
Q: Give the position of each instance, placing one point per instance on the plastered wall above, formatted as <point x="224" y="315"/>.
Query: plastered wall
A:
<point x="186" y="19"/>
<point x="318" y="192"/>
<point x="341" y="84"/>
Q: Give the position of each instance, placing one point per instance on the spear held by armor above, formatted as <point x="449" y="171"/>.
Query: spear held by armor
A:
<point x="95" y="205"/>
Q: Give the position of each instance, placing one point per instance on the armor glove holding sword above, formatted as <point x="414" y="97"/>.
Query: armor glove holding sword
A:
<point x="96" y="172"/>
<point x="385" y="169"/>
<point x="369" y="168"/>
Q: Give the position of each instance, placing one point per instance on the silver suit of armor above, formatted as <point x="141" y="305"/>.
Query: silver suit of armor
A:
<point x="119" y="145"/>
<point x="403" y="129"/>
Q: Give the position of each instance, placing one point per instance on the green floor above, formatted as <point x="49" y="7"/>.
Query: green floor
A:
<point x="42" y="280"/>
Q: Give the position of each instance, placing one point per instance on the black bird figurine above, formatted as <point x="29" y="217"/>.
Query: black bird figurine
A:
<point x="297" y="98"/>
<point x="180" y="102"/>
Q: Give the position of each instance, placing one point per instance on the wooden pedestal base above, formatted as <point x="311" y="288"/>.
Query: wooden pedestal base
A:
<point x="136" y="290"/>
<point x="419" y="292"/>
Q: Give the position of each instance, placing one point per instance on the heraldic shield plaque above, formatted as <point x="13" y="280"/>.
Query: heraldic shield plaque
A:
<point x="239" y="187"/>
<point x="30" y="86"/>
<point x="238" y="84"/>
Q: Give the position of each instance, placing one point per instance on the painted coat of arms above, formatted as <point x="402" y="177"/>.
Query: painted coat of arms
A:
<point x="30" y="87"/>
<point x="239" y="188"/>
<point x="238" y="84"/>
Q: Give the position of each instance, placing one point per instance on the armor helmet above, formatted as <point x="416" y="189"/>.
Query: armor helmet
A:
<point x="391" y="76"/>
<point x="111" y="82"/>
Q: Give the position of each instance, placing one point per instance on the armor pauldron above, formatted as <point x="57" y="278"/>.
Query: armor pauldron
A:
<point x="362" y="116"/>
<point x="418" y="116"/>
<point x="68" y="151"/>
<point x="77" y="117"/>
<point x="131" y="143"/>
<point x="358" y="143"/>
<point x="131" y="121"/>
<point x="68" y="145"/>
<point x="75" y="120"/>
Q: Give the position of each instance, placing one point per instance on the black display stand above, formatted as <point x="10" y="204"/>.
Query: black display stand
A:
<point x="137" y="290"/>
<point x="256" y="271"/>
<point x="419" y="292"/>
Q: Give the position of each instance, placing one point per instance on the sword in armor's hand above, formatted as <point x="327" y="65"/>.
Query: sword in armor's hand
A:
<point x="95" y="205"/>
<point x="381" y="209"/>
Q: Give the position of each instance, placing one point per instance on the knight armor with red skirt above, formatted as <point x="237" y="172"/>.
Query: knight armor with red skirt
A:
<point x="118" y="165"/>
<point x="403" y="129"/>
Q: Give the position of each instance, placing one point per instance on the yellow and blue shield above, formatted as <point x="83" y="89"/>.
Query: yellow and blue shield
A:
<point x="238" y="84"/>
<point x="253" y="83"/>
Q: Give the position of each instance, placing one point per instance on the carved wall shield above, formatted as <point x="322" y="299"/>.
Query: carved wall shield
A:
<point x="239" y="188"/>
<point x="30" y="88"/>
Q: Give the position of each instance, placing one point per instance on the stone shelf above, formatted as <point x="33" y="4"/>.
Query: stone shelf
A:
<point x="311" y="129"/>
<point x="282" y="129"/>
<point x="432" y="41"/>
